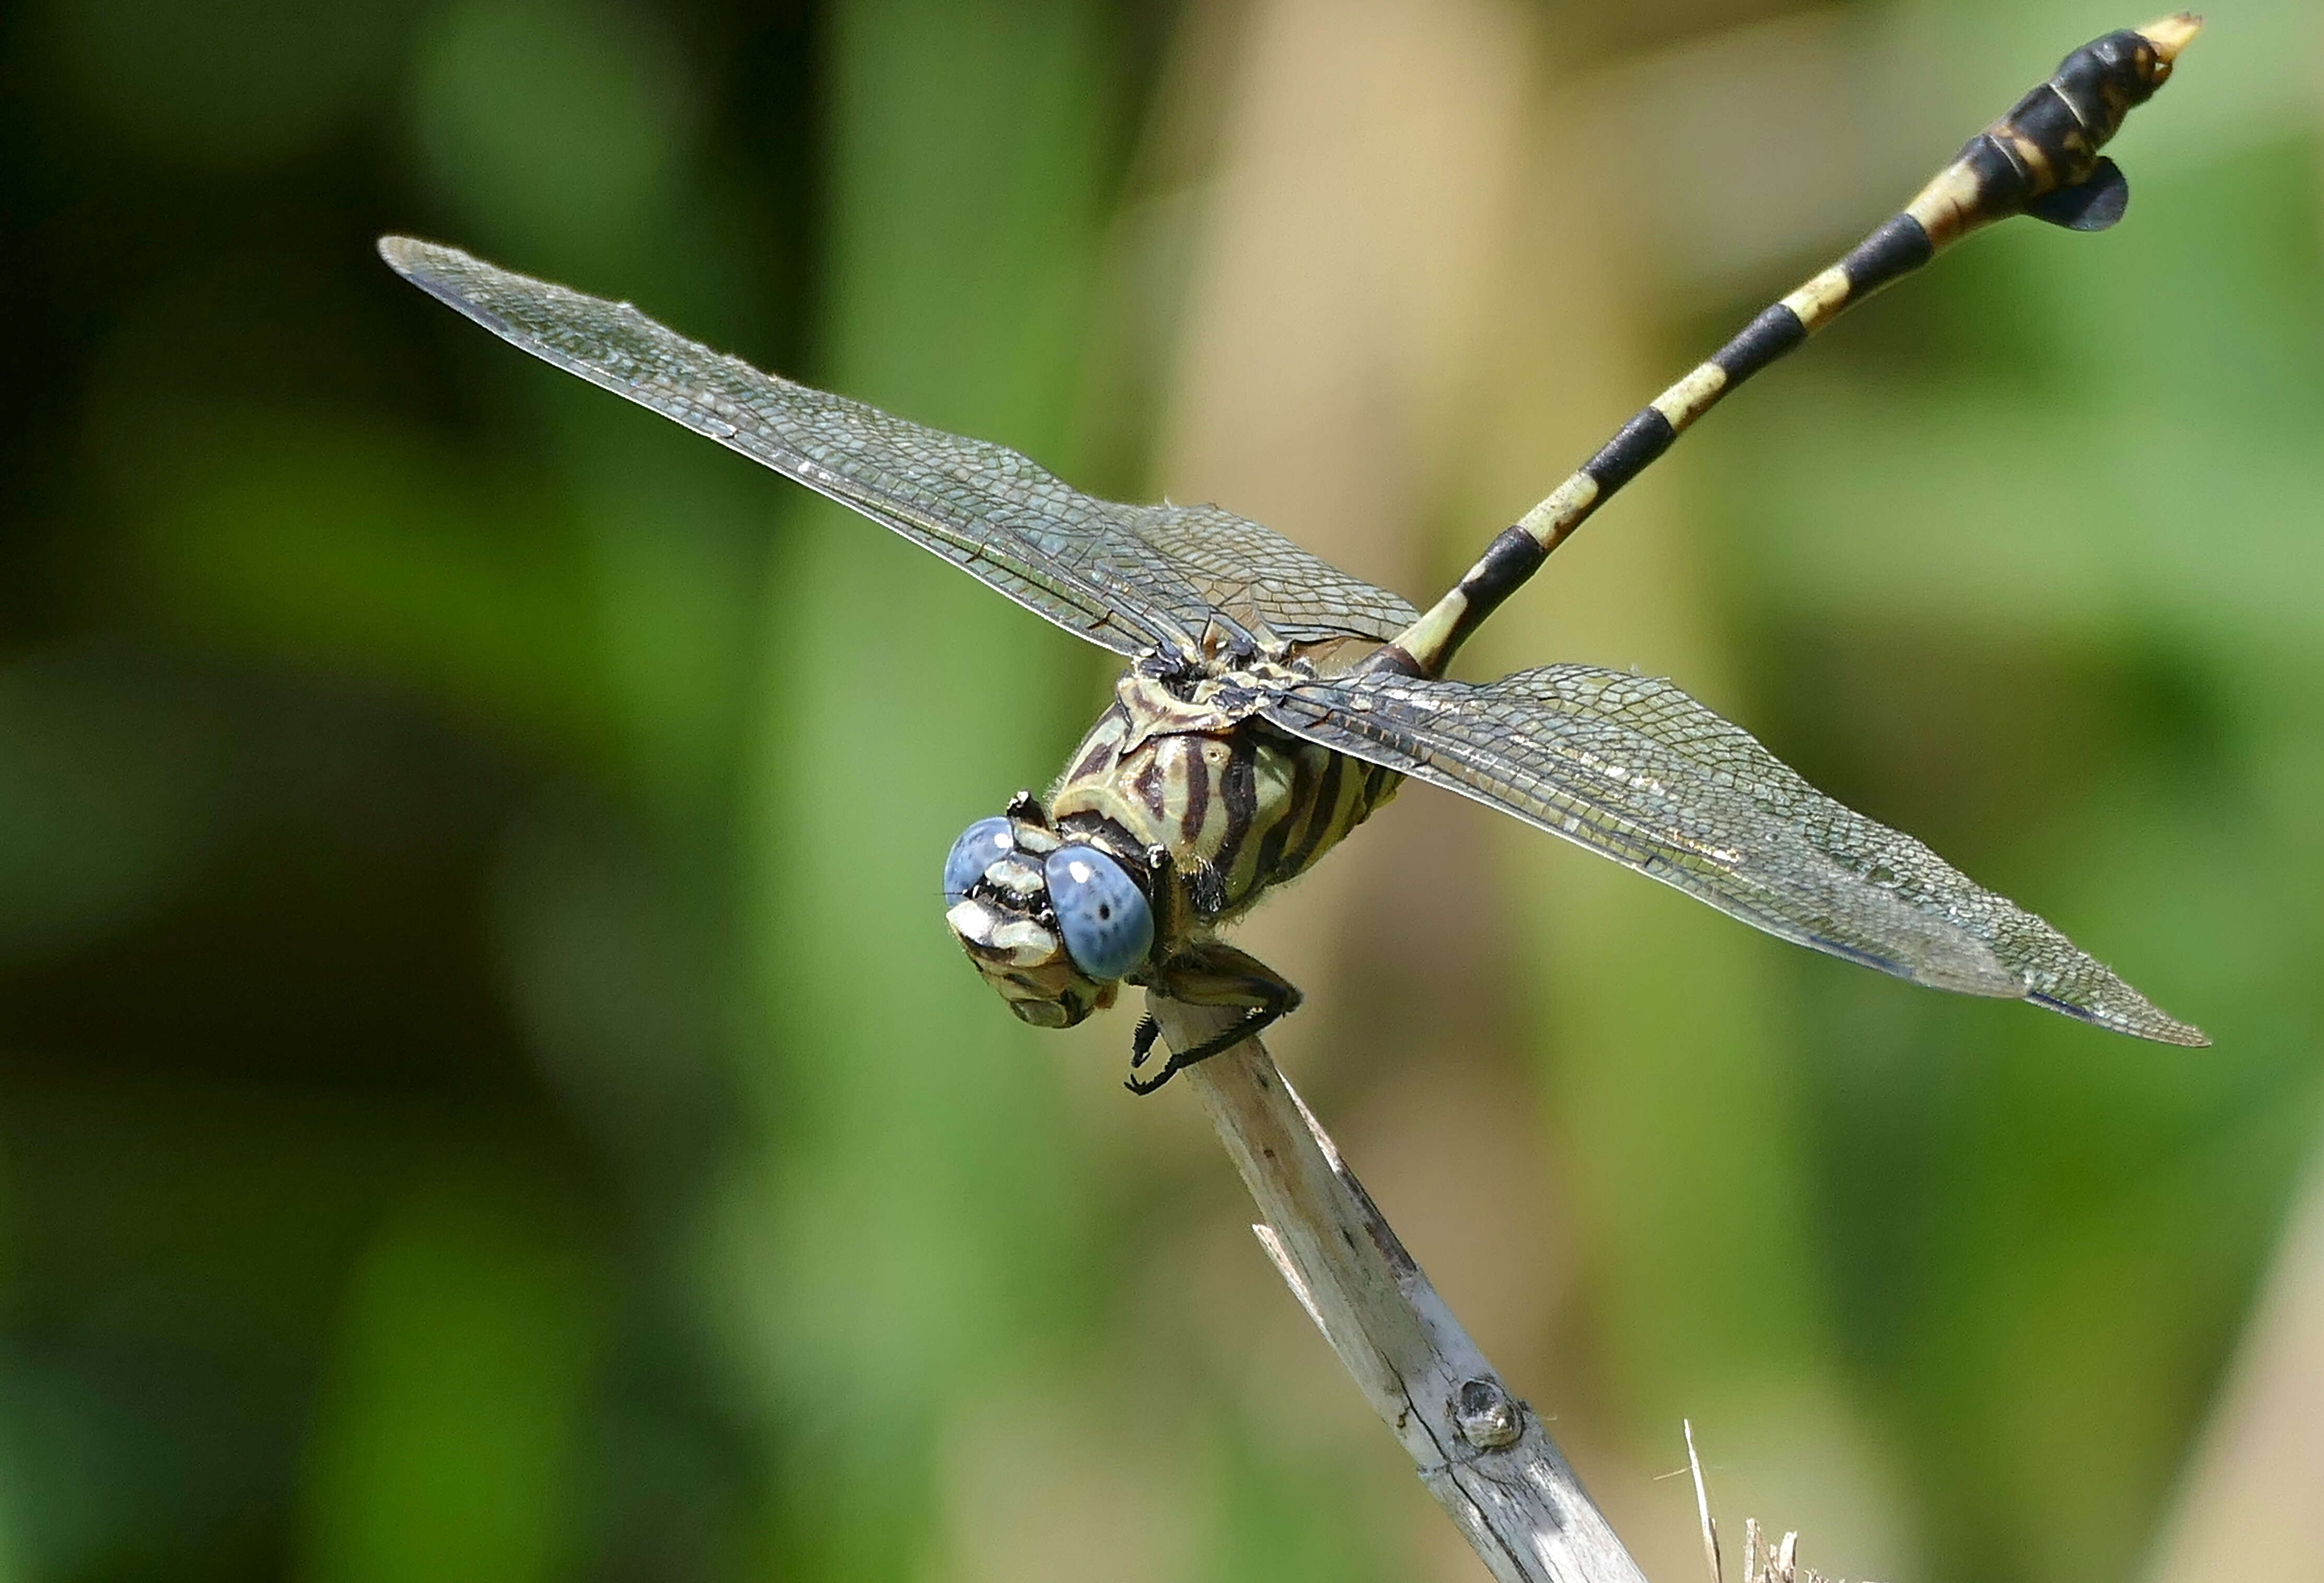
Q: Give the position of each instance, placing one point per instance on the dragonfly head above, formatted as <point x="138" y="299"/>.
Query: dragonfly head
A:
<point x="1052" y="922"/>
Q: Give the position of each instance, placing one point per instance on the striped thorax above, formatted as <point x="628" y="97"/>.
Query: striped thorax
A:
<point x="1239" y="806"/>
<point x="1200" y="804"/>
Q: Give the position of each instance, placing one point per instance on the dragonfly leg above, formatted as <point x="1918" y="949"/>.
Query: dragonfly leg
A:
<point x="1212" y="974"/>
<point x="1258" y="1022"/>
<point x="1026" y="808"/>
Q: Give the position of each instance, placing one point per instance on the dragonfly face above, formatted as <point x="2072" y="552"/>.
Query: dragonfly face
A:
<point x="1053" y="923"/>
<point x="1225" y="767"/>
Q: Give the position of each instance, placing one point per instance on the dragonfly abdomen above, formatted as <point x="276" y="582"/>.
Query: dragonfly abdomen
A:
<point x="2040" y="159"/>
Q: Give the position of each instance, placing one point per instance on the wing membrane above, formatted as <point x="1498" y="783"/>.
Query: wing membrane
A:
<point x="1633" y="768"/>
<point x="1127" y="577"/>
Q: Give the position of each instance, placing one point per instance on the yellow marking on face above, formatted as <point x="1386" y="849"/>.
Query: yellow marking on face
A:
<point x="1689" y="399"/>
<point x="1947" y="206"/>
<point x="1820" y="298"/>
<point x="1548" y="522"/>
<point x="973" y="921"/>
<point x="1025" y="944"/>
<point x="1034" y="841"/>
<point x="1019" y="942"/>
<point x="1015" y="873"/>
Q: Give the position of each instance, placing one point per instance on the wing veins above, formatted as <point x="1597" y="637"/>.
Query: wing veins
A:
<point x="1702" y="806"/>
<point x="1130" y="579"/>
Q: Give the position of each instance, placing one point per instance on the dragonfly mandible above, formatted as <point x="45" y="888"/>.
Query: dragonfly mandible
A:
<point x="1273" y="701"/>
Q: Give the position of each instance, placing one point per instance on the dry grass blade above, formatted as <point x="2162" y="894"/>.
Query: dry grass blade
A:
<point x="1702" y="1509"/>
<point x="1762" y="1562"/>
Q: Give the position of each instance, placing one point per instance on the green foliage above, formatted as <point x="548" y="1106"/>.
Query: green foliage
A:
<point x="485" y="1089"/>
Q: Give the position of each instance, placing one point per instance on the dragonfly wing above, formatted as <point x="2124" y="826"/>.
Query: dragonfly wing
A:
<point x="1246" y="570"/>
<point x="1128" y="578"/>
<point x="1633" y="768"/>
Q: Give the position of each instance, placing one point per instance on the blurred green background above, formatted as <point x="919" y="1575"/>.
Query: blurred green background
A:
<point x="485" y="1091"/>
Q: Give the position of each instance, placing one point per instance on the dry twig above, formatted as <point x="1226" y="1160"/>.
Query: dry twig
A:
<point x="1480" y="1450"/>
<point x="1702" y="1509"/>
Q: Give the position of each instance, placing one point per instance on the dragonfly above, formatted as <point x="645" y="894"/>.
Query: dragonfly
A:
<point x="1271" y="702"/>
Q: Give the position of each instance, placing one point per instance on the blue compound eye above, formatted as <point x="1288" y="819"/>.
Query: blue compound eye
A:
<point x="1103" y="916"/>
<point x="979" y="847"/>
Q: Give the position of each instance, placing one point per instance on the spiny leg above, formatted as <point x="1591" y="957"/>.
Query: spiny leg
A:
<point x="1141" y="1040"/>
<point x="1026" y="808"/>
<point x="2040" y="159"/>
<point x="1258" y="1022"/>
<point x="1162" y="892"/>
<point x="1212" y="974"/>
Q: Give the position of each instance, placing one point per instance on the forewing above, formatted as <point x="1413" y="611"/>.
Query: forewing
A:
<point x="1248" y="571"/>
<point x="1632" y="767"/>
<point x="1127" y="577"/>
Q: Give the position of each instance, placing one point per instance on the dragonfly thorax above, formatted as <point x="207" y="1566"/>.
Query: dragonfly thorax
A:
<point x="1185" y="764"/>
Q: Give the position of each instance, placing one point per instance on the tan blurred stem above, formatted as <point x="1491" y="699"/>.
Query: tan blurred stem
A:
<point x="2248" y="1503"/>
<point x="1478" y="1450"/>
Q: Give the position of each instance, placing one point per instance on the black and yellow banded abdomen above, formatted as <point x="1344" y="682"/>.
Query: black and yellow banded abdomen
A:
<point x="2042" y="158"/>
